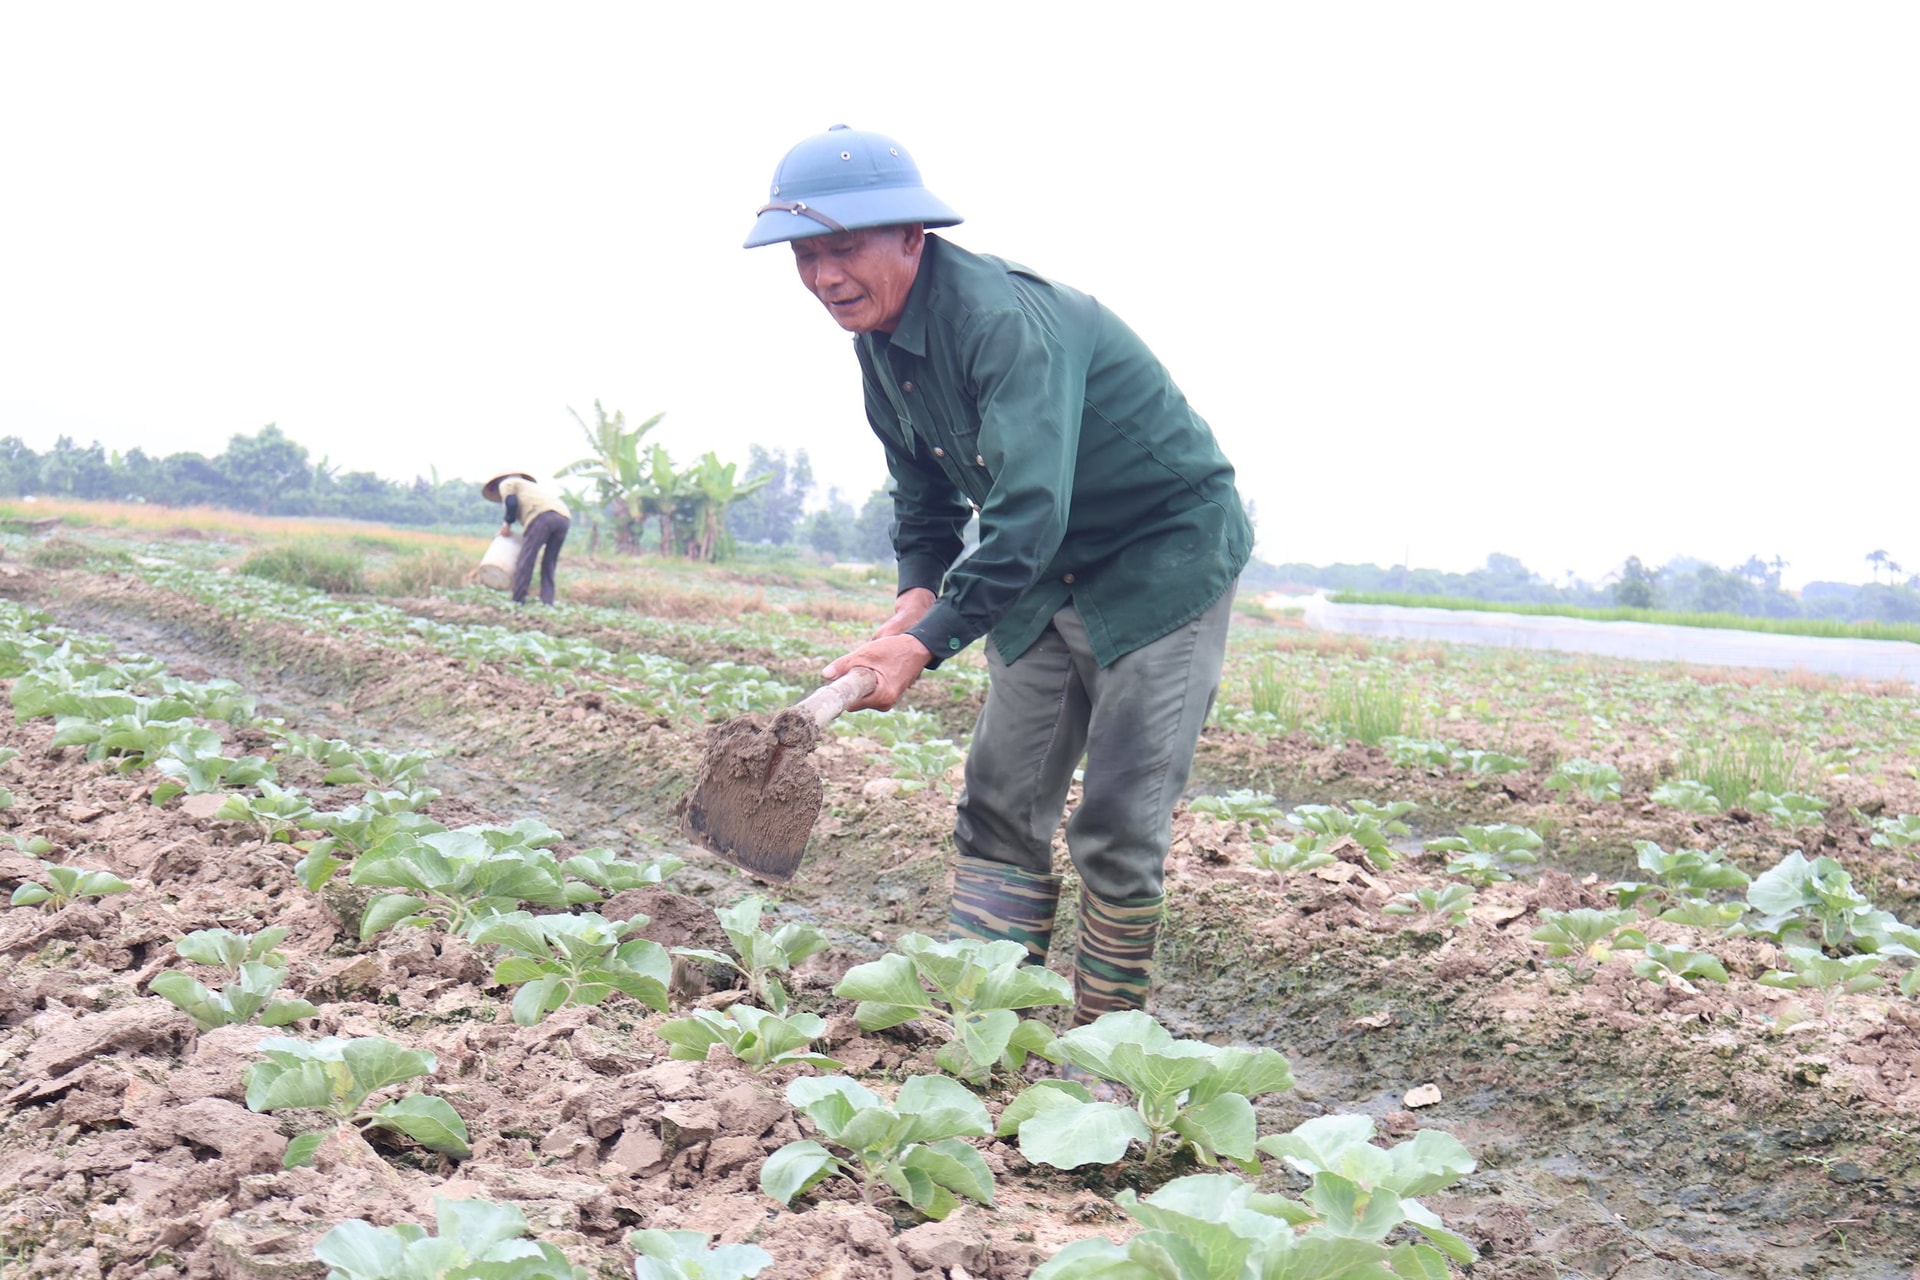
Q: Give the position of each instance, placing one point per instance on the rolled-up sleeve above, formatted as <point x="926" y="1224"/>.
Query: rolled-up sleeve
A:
<point x="1030" y="390"/>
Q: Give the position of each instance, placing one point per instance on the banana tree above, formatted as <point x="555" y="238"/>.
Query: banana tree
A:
<point x="711" y="485"/>
<point x="617" y="467"/>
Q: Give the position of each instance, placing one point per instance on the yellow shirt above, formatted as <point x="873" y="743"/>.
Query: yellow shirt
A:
<point x="533" y="499"/>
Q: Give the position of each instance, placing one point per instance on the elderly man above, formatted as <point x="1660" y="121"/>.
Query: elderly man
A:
<point x="1110" y="540"/>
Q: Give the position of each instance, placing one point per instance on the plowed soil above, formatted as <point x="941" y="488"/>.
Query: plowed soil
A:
<point x="1624" y="1129"/>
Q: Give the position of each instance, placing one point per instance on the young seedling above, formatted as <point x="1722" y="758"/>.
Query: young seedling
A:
<point x="476" y="1239"/>
<point x="199" y="775"/>
<point x="1816" y="901"/>
<point x="1362" y="1190"/>
<point x="1594" y="779"/>
<point x="278" y="813"/>
<point x="1681" y="881"/>
<point x="1789" y="808"/>
<point x="1810" y="969"/>
<point x="213" y="700"/>
<point x="372" y="767"/>
<point x="1367" y="825"/>
<point x="455" y="878"/>
<point x="1687" y="795"/>
<point x="608" y="872"/>
<point x="911" y="1148"/>
<point x="1488" y="764"/>
<point x="1590" y="937"/>
<point x="67" y="884"/>
<point x="560" y="960"/>
<point x="684" y="1255"/>
<point x="889" y="728"/>
<point x="918" y="763"/>
<point x="1488" y="855"/>
<point x="1216" y="1226"/>
<point x="977" y="988"/>
<point x="1305" y="854"/>
<point x="136" y="739"/>
<point x="763" y="956"/>
<point x="1257" y="811"/>
<point x="1420" y="753"/>
<point x="1185" y="1094"/>
<point x="253" y="969"/>
<point x="336" y="1077"/>
<point x="757" y="1038"/>
<point x="350" y="832"/>
<point x="1437" y="907"/>
<point x="1902" y="832"/>
<point x="1673" y="966"/>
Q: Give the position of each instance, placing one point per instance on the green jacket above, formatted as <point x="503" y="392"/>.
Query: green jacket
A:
<point x="1003" y="392"/>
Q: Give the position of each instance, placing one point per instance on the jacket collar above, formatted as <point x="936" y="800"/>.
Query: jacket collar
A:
<point x="910" y="335"/>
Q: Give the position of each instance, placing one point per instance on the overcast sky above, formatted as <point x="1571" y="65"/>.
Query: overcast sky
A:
<point x="1567" y="282"/>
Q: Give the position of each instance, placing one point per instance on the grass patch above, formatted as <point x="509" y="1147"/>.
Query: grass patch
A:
<point x="1734" y="768"/>
<point x="1272" y="692"/>
<point x="312" y="563"/>
<point x="1364" y="710"/>
<point x="60" y="552"/>
<point x="424" y="571"/>
<point x="1824" y="628"/>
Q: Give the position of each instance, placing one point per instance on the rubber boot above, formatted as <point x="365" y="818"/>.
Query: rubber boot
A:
<point x="1114" y="964"/>
<point x="994" y="900"/>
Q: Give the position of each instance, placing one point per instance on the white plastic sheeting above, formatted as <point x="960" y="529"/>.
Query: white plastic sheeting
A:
<point x="1645" y="641"/>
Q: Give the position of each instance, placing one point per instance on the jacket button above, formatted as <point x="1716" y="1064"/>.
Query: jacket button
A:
<point x="906" y="386"/>
<point x="979" y="459"/>
<point x="938" y="452"/>
<point x="953" y="642"/>
<point x="1068" y="579"/>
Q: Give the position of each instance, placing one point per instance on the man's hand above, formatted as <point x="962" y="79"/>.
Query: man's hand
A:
<point x="909" y="607"/>
<point x="506" y="530"/>
<point x="897" y="659"/>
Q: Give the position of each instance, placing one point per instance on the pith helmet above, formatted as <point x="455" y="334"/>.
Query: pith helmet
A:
<point x="843" y="180"/>
<point x="491" y="489"/>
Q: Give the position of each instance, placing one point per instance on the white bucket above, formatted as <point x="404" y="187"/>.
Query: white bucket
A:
<point x="496" y="567"/>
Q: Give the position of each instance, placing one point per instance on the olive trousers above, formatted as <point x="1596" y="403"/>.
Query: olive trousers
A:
<point x="1136" y="724"/>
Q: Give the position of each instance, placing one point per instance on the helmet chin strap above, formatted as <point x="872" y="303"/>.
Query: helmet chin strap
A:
<point x="799" y="207"/>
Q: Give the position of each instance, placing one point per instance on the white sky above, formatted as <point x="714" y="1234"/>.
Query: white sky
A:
<point x="1565" y="281"/>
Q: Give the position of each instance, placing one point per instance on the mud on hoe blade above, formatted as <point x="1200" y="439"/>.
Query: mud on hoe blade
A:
<point x="757" y="795"/>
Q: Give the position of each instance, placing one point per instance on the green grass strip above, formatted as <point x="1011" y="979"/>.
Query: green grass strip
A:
<point x="1822" y="627"/>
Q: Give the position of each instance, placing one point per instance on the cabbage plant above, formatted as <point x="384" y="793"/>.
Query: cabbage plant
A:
<point x="970" y="990"/>
<point x="909" y="1149"/>
<point x="1185" y="1094"/>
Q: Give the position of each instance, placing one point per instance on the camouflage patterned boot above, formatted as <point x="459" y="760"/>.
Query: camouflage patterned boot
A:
<point x="1114" y="964"/>
<point x="994" y="900"/>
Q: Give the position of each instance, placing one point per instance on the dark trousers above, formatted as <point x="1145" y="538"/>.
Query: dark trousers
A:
<point x="1135" y="723"/>
<point x="548" y="530"/>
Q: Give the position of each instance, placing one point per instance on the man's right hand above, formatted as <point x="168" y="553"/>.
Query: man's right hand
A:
<point x="897" y="660"/>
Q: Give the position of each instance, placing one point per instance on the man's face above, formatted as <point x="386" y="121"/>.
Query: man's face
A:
<point x="861" y="277"/>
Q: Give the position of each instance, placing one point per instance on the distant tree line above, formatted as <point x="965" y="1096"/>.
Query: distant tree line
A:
<point x="1683" y="585"/>
<point x="776" y="513"/>
<point x="265" y="473"/>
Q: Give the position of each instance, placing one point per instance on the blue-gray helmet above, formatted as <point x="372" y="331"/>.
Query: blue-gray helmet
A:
<point x="843" y="180"/>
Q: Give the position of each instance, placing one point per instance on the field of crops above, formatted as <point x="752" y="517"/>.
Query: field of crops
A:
<point x="335" y="913"/>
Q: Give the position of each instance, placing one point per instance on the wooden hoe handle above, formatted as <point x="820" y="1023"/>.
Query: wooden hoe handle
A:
<point x="826" y="703"/>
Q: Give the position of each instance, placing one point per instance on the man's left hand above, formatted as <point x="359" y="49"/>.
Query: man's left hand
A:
<point x="897" y="660"/>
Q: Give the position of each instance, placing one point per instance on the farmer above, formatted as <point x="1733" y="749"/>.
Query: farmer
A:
<point x="1110" y="540"/>
<point x="544" y="520"/>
